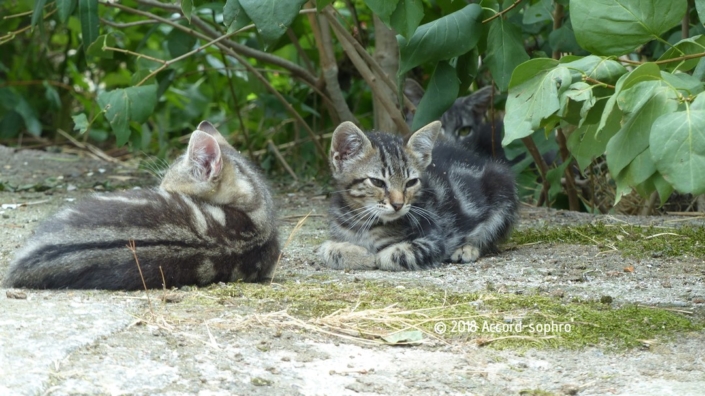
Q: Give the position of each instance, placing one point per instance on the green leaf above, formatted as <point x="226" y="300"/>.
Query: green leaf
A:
<point x="505" y="51"/>
<point x="539" y="12"/>
<point x="38" y="13"/>
<point x="533" y="96"/>
<point x="406" y="17"/>
<point x="65" y="9"/>
<point x="689" y="46"/>
<point x="563" y="40"/>
<point x="677" y="143"/>
<point x="699" y="71"/>
<point x="617" y="27"/>
<point x="52" y="96"/>
<point x="577" y="92"/>
<point x="321" y="4"/>
<point x="96" y="48"/>
<point x="554" y="177"/>
<point x="272" y="17"/>
<point x="234" y="16"/>
<point x="664" y="188"/>
<point x="187" y="9"/>
<point x="404" y="337"/>
<point x="598" y="68"/>
<point x="640" y="169"/>
<point x="382" y="8"/>
<point x="442" y="39"/>
<point x="642" y="104"/>
<point x="29" y="115"/>
<point x="122" y="106"/>
<point x="88" y="14"/>
<point x="466" y="65"/>
<point x="441" y="93"/>
<point x="584" y="145"/>
<point x="686" y="83"/>
<point x="80" y="123"/>
<point x="700" y="8"/>
<point x="179" y="42"/>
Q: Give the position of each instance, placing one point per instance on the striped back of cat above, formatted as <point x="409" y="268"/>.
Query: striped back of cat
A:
<point x="211" y="220"/>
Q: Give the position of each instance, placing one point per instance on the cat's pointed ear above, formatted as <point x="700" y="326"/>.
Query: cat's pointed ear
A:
<point x="421" y="143"/>
<point x="208" y="128"/>
<point x="348" y="143"/>
<point x="204" y="155"/>
<point x="478" y="102"/>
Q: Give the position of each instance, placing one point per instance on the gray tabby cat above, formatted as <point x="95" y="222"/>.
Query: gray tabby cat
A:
<point x="464" y="120"/>
<point x="211" y="220"/>
<point x="415" y="205"/>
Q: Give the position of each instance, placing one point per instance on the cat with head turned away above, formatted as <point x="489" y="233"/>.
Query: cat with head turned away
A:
<point x="416" y="204"/>
<point x="210" y="220"/>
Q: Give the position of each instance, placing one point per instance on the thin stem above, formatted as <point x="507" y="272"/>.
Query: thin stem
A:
<point x="127" y="25"/>
<point x="499" y="14"/>
<point x="597" y="82"/>
<point x="184" y="56"/>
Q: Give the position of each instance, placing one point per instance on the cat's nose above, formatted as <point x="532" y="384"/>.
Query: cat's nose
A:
<point x="397" y="206"/>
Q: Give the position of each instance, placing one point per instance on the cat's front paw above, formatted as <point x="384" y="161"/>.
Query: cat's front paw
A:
<point x="345" y="255"/>
<point x="465" y="254"/>
<point x="398" y="257"/>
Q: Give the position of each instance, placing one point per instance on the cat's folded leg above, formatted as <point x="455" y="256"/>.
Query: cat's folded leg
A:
<point x="345" y="255"/>
<point x="418" y="254"/>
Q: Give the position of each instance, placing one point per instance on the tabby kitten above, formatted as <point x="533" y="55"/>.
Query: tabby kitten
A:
<point x="412" y="206"/>
<point x="211" y="220"/>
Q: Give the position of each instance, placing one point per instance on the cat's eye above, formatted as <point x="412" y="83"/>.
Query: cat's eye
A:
<point x="377" y="182"/>
<point x="412" y="183"/>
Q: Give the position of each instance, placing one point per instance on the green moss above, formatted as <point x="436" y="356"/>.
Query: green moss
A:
<point x="629" y="240"/>
<point x="499" y="320"/>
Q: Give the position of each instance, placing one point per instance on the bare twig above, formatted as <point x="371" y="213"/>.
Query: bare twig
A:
<point x="321" y="32"/>
<point x="341" y="32"/>
<point x="541" y="165"/>
<point x="597" y="82"/>
<point x="362" y="66"/>
<point x="87" y="146"/>
<point x="296" y="70"/>
<point x="133" y="248"/>
<point x="293" y="232"/>
<point x="127" y="25"/>
<point x="226" y="46"/>
<point x="281" y="159"/>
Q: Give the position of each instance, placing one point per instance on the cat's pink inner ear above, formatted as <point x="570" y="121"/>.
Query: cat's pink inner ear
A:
<point x="348" y="142"/>
<point x="204" y="153"/>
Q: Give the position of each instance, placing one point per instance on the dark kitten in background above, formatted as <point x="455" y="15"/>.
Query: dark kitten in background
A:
<point x="414" y="205"/>
<point x="210" y="220"/>
<point x="464" y="121"/>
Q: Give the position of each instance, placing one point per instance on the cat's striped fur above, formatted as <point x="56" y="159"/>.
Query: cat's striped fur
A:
<point x="210" y="220"/>
<point x="415" y="205"/>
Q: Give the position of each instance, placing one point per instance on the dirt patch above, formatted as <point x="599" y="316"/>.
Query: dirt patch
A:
<point x="94" y="342"/>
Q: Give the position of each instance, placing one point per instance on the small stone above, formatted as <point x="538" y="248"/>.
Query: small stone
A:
<point x="606" y="299"/>
<point x="16" y="295"/>
<point x="698" y="300"/>
<point x="569" y="389"/>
